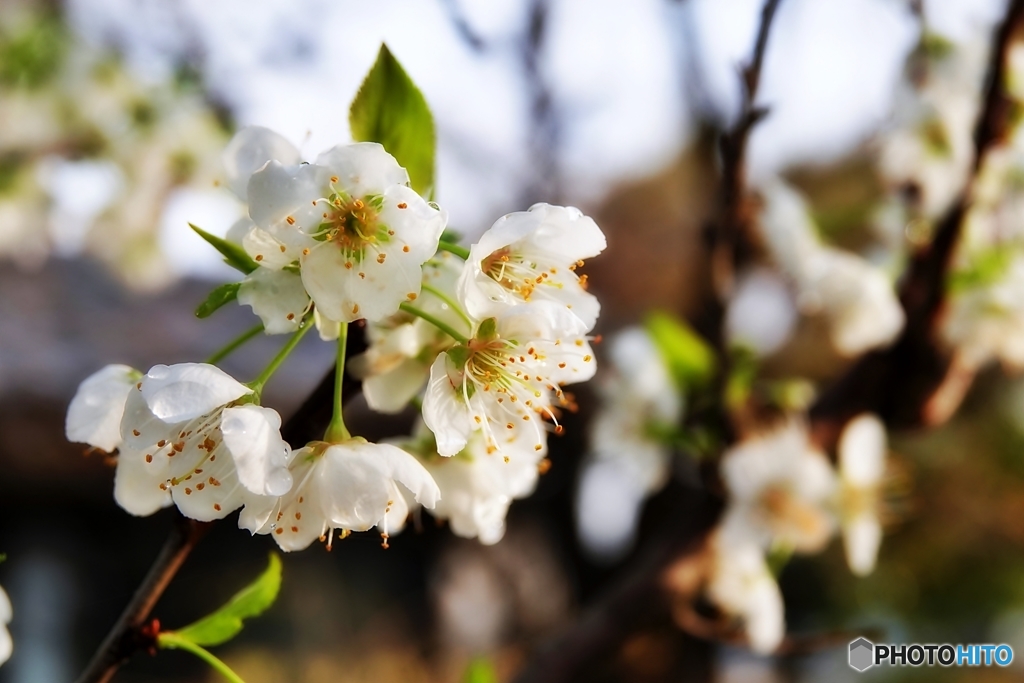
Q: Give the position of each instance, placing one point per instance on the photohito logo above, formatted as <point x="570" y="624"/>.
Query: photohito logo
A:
<point x="864" y="654"/>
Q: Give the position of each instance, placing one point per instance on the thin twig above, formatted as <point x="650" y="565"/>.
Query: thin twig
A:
<point x="126" y="637"/>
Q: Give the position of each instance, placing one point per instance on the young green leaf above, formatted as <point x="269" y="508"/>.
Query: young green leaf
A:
<point x="233" y="254"/>
<point x="480" y="671"/>
<point x="391" y="110"/>
<point x="217" y="298"/>
<point x="251" y="601"/>
<point x="690" y="359"/>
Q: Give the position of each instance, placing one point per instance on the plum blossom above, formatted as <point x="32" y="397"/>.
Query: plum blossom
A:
<point x="855" y="297"/>
<point x="358" y="232"/>
<point x="532" y="256"/>
<point x="477" y="486"/>
<point x="277" y="297"/>
<point x="190" y="437"/>
<point x="862" y="449"/>
<point x="741" y="585"/>
<point x="352" y="486"/>
<point x="501" y="381"/>
<point x="403" y="346"/>
<point x="781" y="487"/>
<point x="94" y="415"/>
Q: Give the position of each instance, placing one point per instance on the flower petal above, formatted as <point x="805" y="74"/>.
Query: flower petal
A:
<point x="363" y="168"/>
<point x="278" y="192"/>
<point x="253" y="436"/>
<point x="186" y="391"/>
<point x="277" y="297"/>
<point x="249" y="150"/>
<point x="94" y="416"/>
<point x="444" y="411"/>
<point x="391" y="391"/>
<point x="862" y="448"/>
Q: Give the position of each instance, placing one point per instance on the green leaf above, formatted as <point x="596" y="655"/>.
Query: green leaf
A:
<point x="251" y="601"/>
<point x="986" y="269"/>
<point x="480" y="671"/>
<point x="689" y="358"/>
<point x="451" y="236"/>
<point x="233" y="254"/>
<point x="217" y="298"/>
<point x="391" y="110"/>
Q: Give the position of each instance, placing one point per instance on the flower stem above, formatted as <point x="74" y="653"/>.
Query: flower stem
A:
<point x="453" y="248"/>
<point x="230" y="347"/>
<point x="443" y="326"/>
<point x="257" y="384"/>
<point x="337" y="431"/>
<point x="169" y="640"/>
<point x="448" y="300"/>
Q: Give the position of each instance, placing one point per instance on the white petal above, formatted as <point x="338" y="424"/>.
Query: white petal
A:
<point x="268" y="251"/>
<point x="862" y="536"/>
<point x="277" y="192"/>
<point x="175" y="393"/>
<point x="765" y="617"/>
<point x="862" y="448"/>
<point x="253" y="436"/>
<point x="444" y="411"/>
<point x="249" y="150"/>
<point x="390" y="392"/>
<point x="137" y="480"/>
<point x="212" y="494"/>
<point x="363" y="168"/>
<point x="328" y="329"/>
<point x="94" y="416"/>
<point x="417" y="226"/>
<point x="277" y="297"/>
<point x="239" y="229"/>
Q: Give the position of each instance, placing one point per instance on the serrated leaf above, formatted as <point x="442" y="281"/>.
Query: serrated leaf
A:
<point x="689" y="358"/>
<point x="480" y="671"/>
<point x="234" y="255"/>
<point x="251" y="601"/>
<point x="217" y="298"/>
<point x="391" y="110"/>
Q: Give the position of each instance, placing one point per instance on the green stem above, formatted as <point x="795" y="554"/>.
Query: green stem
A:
<point x="337" y="431"/>
<point x="443" y="326"/>
<point x="169" y="640"/>
<point x="448" y="300"/>
<point x="225" y="351"/>
<point x="257" y="384"/>
<point x="452" y="248"/>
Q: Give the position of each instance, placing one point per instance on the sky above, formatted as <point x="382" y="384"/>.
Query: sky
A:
<point x="621" y="74"/>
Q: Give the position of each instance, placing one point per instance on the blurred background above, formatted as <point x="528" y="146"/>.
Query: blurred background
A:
<point x="113" y="116"/>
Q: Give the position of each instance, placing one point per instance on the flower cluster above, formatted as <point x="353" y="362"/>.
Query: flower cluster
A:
<point x="487" y="336"/>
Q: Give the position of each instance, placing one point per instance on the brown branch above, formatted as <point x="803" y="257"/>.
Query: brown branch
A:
<point x="129" y="635"/>
<point x="126" y="637"/>
<point x="899" y="382"/>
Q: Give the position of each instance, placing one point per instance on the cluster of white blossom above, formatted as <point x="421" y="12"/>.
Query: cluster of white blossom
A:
<point x="90" y="156"/>
<point x="488" y="337"/>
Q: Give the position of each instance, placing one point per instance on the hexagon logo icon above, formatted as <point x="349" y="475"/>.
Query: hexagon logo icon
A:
<point x="862" y="654"/>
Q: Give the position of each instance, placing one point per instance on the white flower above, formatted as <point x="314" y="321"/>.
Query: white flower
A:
<point x="186" y="439"/>
<point x="352" y="486"/>
<point x="249" y="150"/>
<point x="94" y="416"/>
<point x="761" y="313"/>
<point x="532" y="256"/>
<point x="856" y="297"/>
<point x="402" y="347"/>
<point x="862" y="448"/>
<point x="639" y="399"/>
<point x="742" y="585"/>
<point x="780" y="486"/>
<point x="6" y="644"/>
<point x="986" y="322"/>
<point x="501" y="381"/>
<point x="359" y="232"/>
<point x="477" y="486"/>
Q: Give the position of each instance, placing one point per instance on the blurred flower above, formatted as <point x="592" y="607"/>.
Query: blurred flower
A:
<point x="862" y="449"/>
<point x="855" y="297"/>
<point x="403" y="346"/>
<point x="352" y="486"/>
<point x="532" y="256"/>
<point x="761" y="312"/>
<point x="186" y="438"/>
<point x="742" y="585"/>
<point x="779" y="487"/>
<point x="6" y="644"/>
